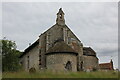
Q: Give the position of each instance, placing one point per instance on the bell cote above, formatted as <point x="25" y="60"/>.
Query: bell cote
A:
<point x="60" y="17"/>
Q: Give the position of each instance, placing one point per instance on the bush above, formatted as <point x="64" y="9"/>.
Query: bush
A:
<point x="32" y="70"/>
<point x="94" y="69"/>
<point x="10" y="56"/>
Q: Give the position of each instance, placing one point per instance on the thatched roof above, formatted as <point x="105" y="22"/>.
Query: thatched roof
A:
<point x="61" y="47"/>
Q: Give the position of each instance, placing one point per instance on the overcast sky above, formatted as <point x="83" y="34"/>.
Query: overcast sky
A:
<point x="95" y="24"/>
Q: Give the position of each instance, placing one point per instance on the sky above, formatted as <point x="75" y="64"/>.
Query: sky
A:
<point x="94" y="23"/>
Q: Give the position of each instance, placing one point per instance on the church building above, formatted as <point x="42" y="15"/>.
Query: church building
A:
<point x="59" y="49"/>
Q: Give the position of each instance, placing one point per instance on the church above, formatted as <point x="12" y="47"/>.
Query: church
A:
<point x="59" y="49"/>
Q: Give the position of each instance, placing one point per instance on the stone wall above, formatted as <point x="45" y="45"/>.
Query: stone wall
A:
<point x="61" y="32"/>
<point x="53" y="34"/>
<point x="90" y="62"/>
<point x="58" y="61"/>
<point x="33" y="59"/>
<point x="42" y="50"/>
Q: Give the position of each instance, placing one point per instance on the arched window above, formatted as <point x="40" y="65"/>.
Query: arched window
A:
<point x="68" y="66"/>
<point x="81" y="64"/>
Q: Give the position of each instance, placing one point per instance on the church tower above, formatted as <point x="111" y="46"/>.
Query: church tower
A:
<point x="60" y="17"/>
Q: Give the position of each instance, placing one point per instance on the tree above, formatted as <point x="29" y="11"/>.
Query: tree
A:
<point x="10" y="56"/>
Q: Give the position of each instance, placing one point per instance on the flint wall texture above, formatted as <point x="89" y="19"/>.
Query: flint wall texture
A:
<point x="33" y="60"/>
<point x="58" y="61"/>
<point x="90" y="62"/>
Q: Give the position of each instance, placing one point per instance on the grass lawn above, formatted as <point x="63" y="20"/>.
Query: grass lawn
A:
<point x="48" y="74"/>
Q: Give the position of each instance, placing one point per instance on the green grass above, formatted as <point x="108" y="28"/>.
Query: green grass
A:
<point x="49" y="74"/>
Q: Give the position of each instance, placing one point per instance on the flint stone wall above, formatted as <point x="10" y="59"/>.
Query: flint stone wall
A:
<point x="58" y="61"/>
<point x="90" y="62"/>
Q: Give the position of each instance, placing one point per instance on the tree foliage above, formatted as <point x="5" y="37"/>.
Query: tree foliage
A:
<point x="10" y="56"/>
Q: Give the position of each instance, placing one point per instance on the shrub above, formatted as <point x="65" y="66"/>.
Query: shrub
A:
<point x="32" y="70"/>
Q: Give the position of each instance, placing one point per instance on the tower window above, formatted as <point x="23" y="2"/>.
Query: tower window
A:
<point x="60" y="16"/>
